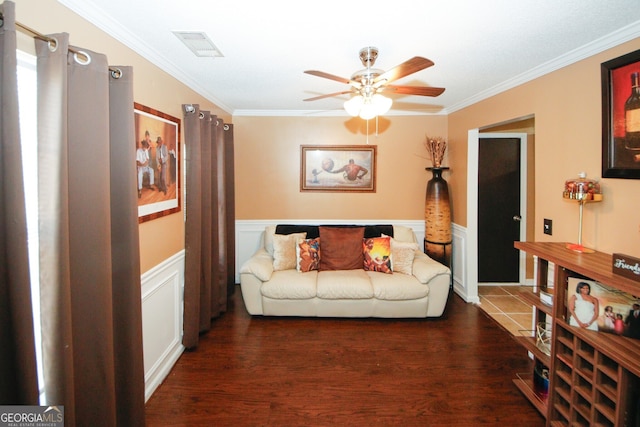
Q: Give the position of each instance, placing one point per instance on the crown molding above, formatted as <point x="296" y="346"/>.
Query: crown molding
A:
<point x="609" y="41"/>
<point x="100" y="19"/>
<point x="117" y="31"/>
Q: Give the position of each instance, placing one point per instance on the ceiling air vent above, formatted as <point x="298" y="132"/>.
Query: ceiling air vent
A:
<point x="198" y="43"/>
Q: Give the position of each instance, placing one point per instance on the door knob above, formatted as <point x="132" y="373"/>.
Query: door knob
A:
<point x="517" y="218"/>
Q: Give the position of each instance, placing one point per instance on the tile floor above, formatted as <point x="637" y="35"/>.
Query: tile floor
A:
<point x="504" y="305"/>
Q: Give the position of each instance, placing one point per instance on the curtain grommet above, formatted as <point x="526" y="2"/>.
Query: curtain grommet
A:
<point x="116" y="73"/>
<point x="77" y="55"/>
<point x="52" y="44"/>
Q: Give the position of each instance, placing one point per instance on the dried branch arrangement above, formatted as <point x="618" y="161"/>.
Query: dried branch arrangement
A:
<point x="436" y="146"/>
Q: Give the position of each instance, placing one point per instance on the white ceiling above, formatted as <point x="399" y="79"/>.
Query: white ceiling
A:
<point x="479" y="47"/>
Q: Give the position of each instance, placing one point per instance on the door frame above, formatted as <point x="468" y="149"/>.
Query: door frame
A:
<point x="471" y="255"/>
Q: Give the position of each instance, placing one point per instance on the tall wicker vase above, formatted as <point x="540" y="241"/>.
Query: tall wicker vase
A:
<point x="437" y="218"/>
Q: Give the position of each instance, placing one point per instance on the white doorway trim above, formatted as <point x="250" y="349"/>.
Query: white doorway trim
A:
<point x="471" y="256"/>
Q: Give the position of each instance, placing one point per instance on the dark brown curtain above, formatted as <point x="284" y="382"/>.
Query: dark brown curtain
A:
<point x="206" y="263"/>
<point x="89" y="253"/>
<point x="221" y="213"/>
<point x="18" y="373"/>
<point x="229" y="171"/>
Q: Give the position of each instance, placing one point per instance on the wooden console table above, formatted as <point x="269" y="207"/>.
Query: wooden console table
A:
<point x="594" y="376"/>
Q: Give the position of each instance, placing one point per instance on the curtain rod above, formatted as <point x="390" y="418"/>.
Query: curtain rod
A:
<point x="115" y="72"/>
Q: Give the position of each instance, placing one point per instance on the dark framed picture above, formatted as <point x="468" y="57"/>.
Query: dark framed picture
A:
<point x="621" y="117"/>
<point x="157" y="163"/>
<point x="338" y="168"/>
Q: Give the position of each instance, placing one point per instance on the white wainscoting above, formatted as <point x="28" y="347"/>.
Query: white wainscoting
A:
<point x="458" y="264"/>
<point x="162" y="307"/>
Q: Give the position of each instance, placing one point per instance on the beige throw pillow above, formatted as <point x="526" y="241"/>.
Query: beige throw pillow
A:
<point x="284" y="250"/>
<point x="402" y="255"/>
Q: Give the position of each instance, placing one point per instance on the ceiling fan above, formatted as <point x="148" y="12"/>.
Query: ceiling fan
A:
<point x="368" y="83"/>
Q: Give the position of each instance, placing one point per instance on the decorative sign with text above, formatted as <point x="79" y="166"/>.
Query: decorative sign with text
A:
<point x="626" y="266"/>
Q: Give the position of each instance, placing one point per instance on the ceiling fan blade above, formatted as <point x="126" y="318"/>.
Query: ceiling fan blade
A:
<point x="328" y="76"/>
<point x="414" y="90"/>
<point x="329" y="95"/>
<point x="411" y="66"/>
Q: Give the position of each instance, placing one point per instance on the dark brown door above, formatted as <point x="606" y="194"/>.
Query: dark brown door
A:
<point x="498" y="210"/>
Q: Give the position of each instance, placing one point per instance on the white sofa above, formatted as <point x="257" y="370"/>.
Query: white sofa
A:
<point x="355" y="292"/>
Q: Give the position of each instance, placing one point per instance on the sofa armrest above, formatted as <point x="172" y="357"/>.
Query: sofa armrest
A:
<point x="426" y="268"/>
<point x="260" y="265"/>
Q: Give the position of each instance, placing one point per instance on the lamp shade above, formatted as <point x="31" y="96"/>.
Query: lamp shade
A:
<point x="382" y="103"/>
<point x="354" y="105"/>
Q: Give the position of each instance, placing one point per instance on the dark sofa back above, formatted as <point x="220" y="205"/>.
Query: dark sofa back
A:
<point x="313" y="231"/>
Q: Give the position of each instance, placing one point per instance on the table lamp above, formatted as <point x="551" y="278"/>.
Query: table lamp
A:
<point x="582" y="190"/>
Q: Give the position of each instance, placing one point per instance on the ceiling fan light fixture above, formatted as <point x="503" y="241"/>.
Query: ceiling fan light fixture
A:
<point x="368" y="107"/>
<point x="381" y="103"/>
<point x="366" y="83"/>
<point x="368" y="111"/>
<point x="353" y="105"/>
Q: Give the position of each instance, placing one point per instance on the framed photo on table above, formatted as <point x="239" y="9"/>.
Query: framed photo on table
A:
<point x="157" y="163"/>
<point x="338" y="168"/>
<point x="621" y="117"/>
<point x="615" y="308"/>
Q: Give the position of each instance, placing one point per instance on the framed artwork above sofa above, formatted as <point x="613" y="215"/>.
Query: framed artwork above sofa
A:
<point x="337" y="168"/>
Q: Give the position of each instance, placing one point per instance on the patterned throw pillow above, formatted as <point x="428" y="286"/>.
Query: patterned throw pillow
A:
<point x="308" y="255"/>
<point x="284" y="250"/>
<point x="377" y="254"/>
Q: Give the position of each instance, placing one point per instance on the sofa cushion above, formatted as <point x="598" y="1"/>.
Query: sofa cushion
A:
<point x="377" y="254"/>
<point x="269" y="232"/>
<point x="402" y="255"/>
<point x="396" y="287"/>
<point x="284" y="250"/>
<point x="341" y="248"/>
<point x="289" y="284"/>
<point x="308" y="255"/>
<point x="344" y="284"/>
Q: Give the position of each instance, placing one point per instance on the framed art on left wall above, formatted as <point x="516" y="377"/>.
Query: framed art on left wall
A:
<point x="157" y="163"/>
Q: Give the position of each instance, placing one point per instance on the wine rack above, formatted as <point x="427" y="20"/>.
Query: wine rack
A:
<point x="595" y="376"/>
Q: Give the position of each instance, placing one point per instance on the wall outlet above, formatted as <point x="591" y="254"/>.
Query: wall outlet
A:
<point x="548" y="226"/>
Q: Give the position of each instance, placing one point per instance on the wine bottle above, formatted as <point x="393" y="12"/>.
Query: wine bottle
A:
<point x="632" y="114"/>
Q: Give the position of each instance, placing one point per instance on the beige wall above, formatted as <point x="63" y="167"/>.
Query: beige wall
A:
<point x="567" y="109"/>
<point x="267" y="151"/>
<point x="160" y="238"/>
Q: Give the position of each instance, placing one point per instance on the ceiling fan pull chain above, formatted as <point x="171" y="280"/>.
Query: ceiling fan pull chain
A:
<point x="367" y="132"/>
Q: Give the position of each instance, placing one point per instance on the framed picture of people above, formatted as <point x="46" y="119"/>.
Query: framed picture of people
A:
<point x="157" y="163"/>
<point x="338" y="168"/>
<point x="594" y="306"/>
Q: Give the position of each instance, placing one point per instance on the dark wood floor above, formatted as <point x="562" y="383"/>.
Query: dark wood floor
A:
<point x="453" y="371"/>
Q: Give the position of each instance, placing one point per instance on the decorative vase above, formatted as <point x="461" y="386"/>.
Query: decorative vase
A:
<point x="437" y="218"/>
